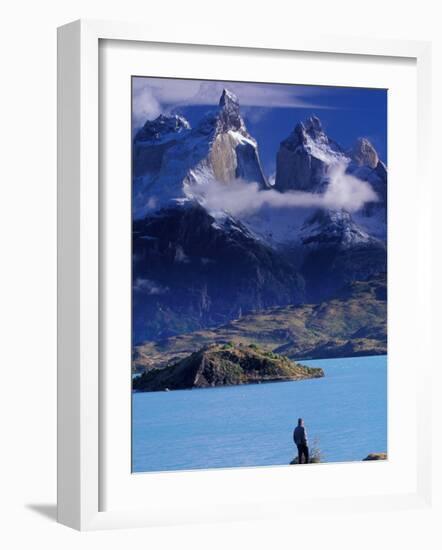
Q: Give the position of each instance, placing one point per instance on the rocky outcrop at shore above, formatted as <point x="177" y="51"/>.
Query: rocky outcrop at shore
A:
<point x="316" y="458"/>
<point x="313" y="460"/>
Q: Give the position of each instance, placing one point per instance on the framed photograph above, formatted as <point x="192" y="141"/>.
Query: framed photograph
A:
<point x="239" y="224"/>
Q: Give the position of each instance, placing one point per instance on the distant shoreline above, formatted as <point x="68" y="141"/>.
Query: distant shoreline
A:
<point x="257" y="383"/>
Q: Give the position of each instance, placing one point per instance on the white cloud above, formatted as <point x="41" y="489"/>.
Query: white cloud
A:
<point x="254" y="114"/>
<point x="152" y="96"/>
<point x="240" y="198"/>
<point x="145" y="106"/>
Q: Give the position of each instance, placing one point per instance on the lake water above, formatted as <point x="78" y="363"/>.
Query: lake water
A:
<point x="252" y="425"/>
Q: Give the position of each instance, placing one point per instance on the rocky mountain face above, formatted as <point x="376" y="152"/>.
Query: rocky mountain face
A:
<point x="152" y="141"/>
<point x="333" y="228"/>
<point x="366" y="165"/>
<point x="195" y="268"/>
<point x="191" y="271"/>
<point x="224" y="365"/>
<point x="335" y="250"/>
<point x="304" y="158"/>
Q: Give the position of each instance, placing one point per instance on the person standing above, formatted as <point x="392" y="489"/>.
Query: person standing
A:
<point x="300" y="439"/>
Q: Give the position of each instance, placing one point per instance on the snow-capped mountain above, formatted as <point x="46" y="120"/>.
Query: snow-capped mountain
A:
<point x="305" y="157"/>
<point x="306" y="160"/>
<point x="171" y="160"/>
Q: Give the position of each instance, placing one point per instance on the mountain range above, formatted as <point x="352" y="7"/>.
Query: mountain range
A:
<point x="214" y="239"/>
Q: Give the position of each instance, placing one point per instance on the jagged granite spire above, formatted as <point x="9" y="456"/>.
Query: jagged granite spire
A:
<point x="304" y="157"/>
<point x="228" y="100"/>
<point x="229" y="113"/>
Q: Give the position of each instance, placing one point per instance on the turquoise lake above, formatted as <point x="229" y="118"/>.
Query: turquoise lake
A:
<point x="251" y="425"/>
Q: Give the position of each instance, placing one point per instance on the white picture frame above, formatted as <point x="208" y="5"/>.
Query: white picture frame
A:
<point x="80" y="396"/>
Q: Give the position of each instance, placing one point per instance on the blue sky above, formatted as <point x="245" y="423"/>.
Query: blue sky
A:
<point x="270" y="110"/>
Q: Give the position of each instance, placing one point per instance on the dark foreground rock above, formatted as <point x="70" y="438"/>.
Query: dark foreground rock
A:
<point x="376" y="456"/>
<point x="316" y="458"/>
<point x="313" y="460"/>
<point x="224" y="365"/>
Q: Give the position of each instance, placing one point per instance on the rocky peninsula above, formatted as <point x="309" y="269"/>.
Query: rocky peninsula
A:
<point x="224" y="365"/>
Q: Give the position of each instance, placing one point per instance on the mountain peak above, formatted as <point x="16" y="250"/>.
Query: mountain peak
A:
<point x="228" y="100"/>
<point x="164" y="125"/>
<point x="229" y="114"/>
<point x="364" y="153"/>
<point x="314" y="125"/>
<point x="304" y="157"/>
<point x="311" y="128"/>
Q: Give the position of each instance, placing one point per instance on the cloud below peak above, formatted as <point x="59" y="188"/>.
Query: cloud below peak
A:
<point x="344" y="192"/>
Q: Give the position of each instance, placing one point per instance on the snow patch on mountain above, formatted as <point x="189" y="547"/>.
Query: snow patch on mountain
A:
<point x="161" y="130"/>
<point x="333" y="228"/>
<point x="321" y="149"/>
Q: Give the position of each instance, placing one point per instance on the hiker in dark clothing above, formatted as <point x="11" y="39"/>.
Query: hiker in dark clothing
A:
<point x="300" y="439"/>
